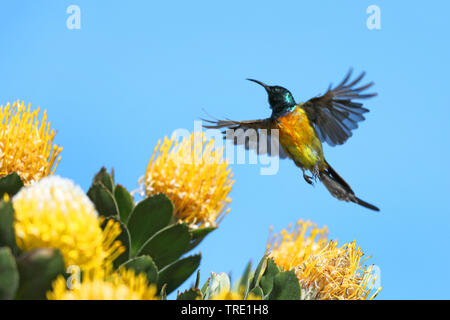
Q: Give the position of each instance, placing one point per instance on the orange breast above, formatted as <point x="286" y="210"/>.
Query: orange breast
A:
<point x="299" y="139"/>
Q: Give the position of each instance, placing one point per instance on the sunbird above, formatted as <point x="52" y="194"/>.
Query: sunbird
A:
<point x="302" y="127"/>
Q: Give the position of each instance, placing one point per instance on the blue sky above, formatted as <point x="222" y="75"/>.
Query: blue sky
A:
<point x="137" y="70"/>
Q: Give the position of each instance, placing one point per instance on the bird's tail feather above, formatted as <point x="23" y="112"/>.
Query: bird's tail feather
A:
<point x="340" y="189"/>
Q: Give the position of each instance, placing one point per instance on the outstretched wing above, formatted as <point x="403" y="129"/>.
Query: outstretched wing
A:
<point x="335" y="114"/>
<point x="253" y="135"/>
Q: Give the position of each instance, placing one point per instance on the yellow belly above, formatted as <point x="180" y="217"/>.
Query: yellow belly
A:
<point x="299" y="139"/>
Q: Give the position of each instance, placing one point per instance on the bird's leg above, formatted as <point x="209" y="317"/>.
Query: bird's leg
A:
<point x="315" y="171"/>
<point x="307" y="178"/>
<point x="315" y="174"/>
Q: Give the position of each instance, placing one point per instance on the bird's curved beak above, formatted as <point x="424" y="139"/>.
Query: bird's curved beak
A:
<point x="261" y="84"/>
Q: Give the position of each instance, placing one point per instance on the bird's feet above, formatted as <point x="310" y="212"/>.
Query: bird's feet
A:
<point x="308" y="178"/>
<point x="315" y="173"/>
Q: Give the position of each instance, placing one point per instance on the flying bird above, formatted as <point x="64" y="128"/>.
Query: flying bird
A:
<point x="302" y="127"/>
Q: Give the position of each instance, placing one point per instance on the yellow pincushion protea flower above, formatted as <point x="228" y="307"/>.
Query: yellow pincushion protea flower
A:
<point x="195" y="177"/>
<point x="230" y="295"/>
<point x="103" y="285"/>
<point x="26" y="145"/>
<point x="324" y="270"/>
<point x="55" y="213"/>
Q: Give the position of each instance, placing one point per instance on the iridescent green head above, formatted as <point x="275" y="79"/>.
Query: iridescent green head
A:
<point x="280" y="99"/>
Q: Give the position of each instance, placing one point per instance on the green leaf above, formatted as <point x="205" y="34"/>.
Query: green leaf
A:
<point x="9" y="276"/>
<point x="257" y="292"/>
<point x="198" y="235"/>
<point x="124" y="202"/>
<point x="285" y="287"/>
<point x="124" y="238"/>
<point x="205" y="287"/>
<point x="176" y="273"/>
<point x="148" y="217"/>
<point x="266" y="281"/>
<point x="103" y="177"/>
<point x="244" y="282"/>
<point x="258" y="272"/>
<point x="103" y="200"/>
<point x="7" y="237"/>
<point x="143" y="264"/>
<point x="168" y="244"/>
<point x="163" y="292"/>
<point x="10" y="184"/>
<point x="113" y="176"/>
<point x="197" y="279"/>
<point x="38" y="269"/>
<point x="190" y="294"/>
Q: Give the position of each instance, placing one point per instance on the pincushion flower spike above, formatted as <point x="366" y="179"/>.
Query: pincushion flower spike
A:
<point x="194" y="176"/>
<point x="102" y="284"/>
<point x="55" y="213"/>
<point x="325" y="271"/>
<point x="26" y="144"/>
